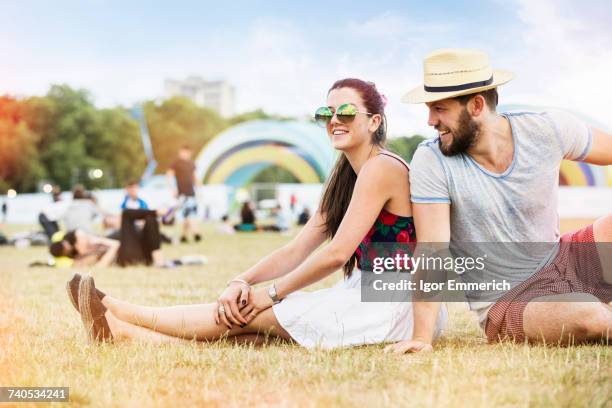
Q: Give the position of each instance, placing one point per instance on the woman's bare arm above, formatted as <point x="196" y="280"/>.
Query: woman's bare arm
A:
<point x="374" y="187"/>
<point x="289" y="256"/>
<point x="110" y="254"/>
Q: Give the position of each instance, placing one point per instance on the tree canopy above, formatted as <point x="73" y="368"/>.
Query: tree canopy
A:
<point x="62" y="137"/>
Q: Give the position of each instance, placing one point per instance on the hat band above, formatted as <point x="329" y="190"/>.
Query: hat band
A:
<point x="462" y="87"/>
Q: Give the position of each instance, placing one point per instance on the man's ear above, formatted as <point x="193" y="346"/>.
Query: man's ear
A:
<point x="477" y="105"/>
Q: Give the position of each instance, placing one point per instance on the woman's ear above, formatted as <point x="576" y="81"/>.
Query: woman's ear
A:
<point x="375" y="123"/>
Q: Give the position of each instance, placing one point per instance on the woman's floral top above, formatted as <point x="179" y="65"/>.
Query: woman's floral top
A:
<point x="390" y="228"/>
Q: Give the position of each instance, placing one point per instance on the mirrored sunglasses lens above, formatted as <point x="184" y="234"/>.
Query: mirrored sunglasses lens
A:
<point x="322" y="120"/>
<point x="323" y="116"/>
<point x="346" y="112"/>
<point x="346" y="109"/>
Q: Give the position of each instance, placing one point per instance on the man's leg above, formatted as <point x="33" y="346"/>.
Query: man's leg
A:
<point x="186" y="227"/>
<point x="567" y="318"/>
<point x="50" y="227"/>
<point x="191" y="214"/>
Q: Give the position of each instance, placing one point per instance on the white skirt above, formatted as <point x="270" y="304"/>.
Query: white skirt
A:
<point x="336" y="317"/>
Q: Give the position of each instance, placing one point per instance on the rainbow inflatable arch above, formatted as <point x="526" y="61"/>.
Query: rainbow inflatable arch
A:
<point x="571" y="173"/>
<point x="236" y="155"/>
<point x="583" y="175"/>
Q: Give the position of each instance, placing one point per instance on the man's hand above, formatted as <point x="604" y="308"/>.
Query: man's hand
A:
<point x="408" y="346"/>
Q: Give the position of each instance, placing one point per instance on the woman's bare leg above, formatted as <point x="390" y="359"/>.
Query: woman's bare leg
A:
<point x="191" y="321"/>
<point x="126" y="331"/>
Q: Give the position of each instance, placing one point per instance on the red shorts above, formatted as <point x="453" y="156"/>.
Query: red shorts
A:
<point x="571" y="271"/>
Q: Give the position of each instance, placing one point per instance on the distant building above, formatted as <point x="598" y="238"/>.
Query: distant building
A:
<point x="217" y="95"/>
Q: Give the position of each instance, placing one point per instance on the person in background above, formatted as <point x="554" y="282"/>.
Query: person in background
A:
<point x="52" y="213"/>
<point x="131" y="200"/>
<point x="136" y="245"/>
<point x="304" y="216"/>
<point x="225" y="227"/>
<point x="82" y="211"/>
<point x="247" y="218"/>
<point x="3" y="239"/>
<point x="182" y="174"/>
<point x="280" y="221"/>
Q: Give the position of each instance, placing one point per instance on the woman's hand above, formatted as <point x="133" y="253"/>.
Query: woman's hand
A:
<point x="234" y="298"/>
<point x="409" y="346"/>
<point x="260" y="301"/>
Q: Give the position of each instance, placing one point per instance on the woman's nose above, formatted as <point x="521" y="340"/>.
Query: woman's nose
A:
<point x="334" y="119"/>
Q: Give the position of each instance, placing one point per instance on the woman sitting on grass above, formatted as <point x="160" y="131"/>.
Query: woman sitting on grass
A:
<point x="366" y="199"/>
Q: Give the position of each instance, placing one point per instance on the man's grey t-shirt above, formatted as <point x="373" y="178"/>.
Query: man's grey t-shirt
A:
<point x="518" y="205"/>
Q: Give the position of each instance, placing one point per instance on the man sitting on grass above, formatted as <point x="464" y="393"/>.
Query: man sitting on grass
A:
<point x="493" y="177"/>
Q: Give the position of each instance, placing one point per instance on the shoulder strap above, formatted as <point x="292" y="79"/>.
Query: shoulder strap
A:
<point x="396" y="157"/>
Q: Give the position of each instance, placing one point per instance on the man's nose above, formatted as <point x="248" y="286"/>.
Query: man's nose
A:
<point x="433" y="119"/>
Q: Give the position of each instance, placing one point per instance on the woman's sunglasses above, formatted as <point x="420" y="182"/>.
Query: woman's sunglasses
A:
<point x="345" y="114"/>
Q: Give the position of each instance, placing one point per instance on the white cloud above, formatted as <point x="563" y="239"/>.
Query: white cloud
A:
<point x="561" y="57"/>
<point x="565" y="58"/>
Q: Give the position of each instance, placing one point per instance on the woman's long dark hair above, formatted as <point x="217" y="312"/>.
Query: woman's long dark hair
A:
<point x="339" y="187"/>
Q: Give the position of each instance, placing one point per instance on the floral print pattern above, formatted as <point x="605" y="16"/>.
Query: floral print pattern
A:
<point x="388" y="227"/>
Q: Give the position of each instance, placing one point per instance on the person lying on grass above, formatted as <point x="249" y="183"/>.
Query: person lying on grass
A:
<point x="366" y="199"/>
<point x="136" y="244"/>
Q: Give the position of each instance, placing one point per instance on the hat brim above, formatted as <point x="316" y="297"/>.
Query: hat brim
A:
<point x="420" y="95"/>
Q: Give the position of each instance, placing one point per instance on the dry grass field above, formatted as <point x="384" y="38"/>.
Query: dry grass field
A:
<point x="42" y="344"/>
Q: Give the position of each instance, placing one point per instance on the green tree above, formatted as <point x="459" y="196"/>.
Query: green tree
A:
<point x="75" y="138"/>
<point x="61" y="137"/>
<point x="116" y="148"/>
<point x="20" y="166"/>
<point x="68" y="119"/>
<point x="258" y="114"/>
<point x="405" y="146"/>
<point x="274" y="174"/>
<point x="176" y="122"/>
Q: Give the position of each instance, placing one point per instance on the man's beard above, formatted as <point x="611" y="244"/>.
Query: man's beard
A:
<point x="463" y="137"/>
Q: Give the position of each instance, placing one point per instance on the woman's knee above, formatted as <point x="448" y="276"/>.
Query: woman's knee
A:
<point x="265" y="323"/>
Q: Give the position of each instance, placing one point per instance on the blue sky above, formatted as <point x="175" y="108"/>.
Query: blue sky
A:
<point x="282" y="56"/>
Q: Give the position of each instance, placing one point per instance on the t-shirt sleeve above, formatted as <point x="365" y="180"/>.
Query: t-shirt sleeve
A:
<point x="428" y="183"/>
<point x="574" y="135"/>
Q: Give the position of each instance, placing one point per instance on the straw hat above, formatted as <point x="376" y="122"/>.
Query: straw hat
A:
<point x="453" y="72"/>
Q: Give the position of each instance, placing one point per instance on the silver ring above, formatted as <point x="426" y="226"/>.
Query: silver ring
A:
<point x="221" y="309"/>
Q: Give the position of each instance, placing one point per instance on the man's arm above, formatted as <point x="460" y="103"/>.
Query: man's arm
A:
<point x="432" y="222"/>
<point x="171" y="182"/>
<point x="195" y="180"/>
<point x="601" y="149"/>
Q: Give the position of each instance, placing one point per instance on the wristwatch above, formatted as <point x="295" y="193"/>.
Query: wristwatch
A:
<point x="272" y="294"/>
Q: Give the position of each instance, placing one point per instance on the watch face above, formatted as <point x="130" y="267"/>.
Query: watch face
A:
<point x="272" y="293"/>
